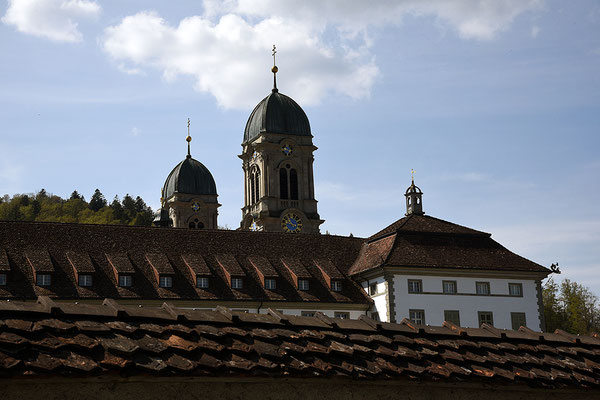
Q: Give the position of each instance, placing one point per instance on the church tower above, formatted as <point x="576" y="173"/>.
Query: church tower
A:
<point x="277" y="159"/>
<point x="189" y="196"/>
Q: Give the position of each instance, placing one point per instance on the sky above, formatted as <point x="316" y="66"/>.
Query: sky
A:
<point x="494" y="104"/>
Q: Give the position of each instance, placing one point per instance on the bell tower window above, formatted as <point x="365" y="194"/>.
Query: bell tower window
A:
<point x="283" y="184"/>
<point x="288" y="183"/>
<point x="256" y="185"/>
<point x="293" y="184"/>
<point x="196" y="224"/>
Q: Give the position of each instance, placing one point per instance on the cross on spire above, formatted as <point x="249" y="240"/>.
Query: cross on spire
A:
<point x="274" y="70"/>
<point x="188" y="139"/>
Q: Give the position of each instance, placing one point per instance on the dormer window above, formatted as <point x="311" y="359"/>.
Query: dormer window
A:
<point x="85" y="280"/>
<point x="125" y="280"/>
<point x="336" y="286"/>
<point x="237" y="283"/>
<point x="202" y="282"/>
<point x="43" y="279"/>
<point x="270" y="284"/>
<point x="165" y="281"/>
<point x="303" y="284"/>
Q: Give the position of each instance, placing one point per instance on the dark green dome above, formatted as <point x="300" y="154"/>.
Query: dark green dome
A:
<point x="277" y="113"/>
<point x="190" y="177"/>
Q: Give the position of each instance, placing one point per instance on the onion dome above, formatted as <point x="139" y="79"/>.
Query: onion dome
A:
<point x="277" y="113"/>
<point x="190" y="177"/>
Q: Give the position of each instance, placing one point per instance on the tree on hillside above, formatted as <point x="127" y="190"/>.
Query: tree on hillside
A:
<point x="571" y="307"/>
<point x="75" y="195"/>
<point x="97" y="201"/>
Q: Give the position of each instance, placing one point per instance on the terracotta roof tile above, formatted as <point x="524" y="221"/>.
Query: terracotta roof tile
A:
<point x="160" y="263"/>
<point x="422" y="241"/>
<point x="39" y="260"/>
<point x="59" y="340"/>
<point x="80" y="261"/>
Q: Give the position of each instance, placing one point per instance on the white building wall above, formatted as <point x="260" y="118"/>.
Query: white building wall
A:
<point x="468" y="305"/>
<point x="380" y="298"/>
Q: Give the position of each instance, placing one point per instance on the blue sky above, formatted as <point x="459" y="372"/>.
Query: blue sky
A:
<point x="496" y="105"/>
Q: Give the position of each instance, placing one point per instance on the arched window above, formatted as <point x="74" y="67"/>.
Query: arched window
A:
<point x="293" y="184"/>
<point x="196" y="224"/>
<point x="283" y="184"/>
<point x="252" y="188"/>
<point x="257" y="185"/>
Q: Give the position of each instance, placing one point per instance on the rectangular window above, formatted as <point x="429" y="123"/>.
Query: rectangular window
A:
<point x="373" y="289"/>
<point x="485" y="317"/>
<point x="165" y="281"/>
<point x="415" y="286"/>
<point x="125" y="280"/>
<point x="482" y="288"/>
<point x="449" y="287"/>
<point x="85" y="280"/>
<point x="237" y="283"/>
<point x="515" y="289"/>
<point x="336" y="286"/>
<point x="307" y="313"/>
<point x="341" y="315"/>
<point x="2" y="279"/>
<point x="43" y="279"/>
<point x="270" y="283"/>
<point x="417" y="316"/>
<point x="303" y="284"/>
<point x="518" y="320"/>
<point x="202" y="282"/>
<point x="452" y="316"/>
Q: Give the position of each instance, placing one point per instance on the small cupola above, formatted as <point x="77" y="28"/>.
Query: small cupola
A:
<point x="414" y="201"/>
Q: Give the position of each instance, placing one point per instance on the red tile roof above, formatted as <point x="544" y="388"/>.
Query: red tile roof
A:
<point x="48" y="339"/>
<point x="145" y="252"/>
<point x="426" y="242"/>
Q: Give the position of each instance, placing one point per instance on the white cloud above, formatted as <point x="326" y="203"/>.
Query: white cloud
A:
<point x="325" y="46"/>
<point x="535" y="30"/>
<point x="52" y="19"/>
<point x="135" y="131"/>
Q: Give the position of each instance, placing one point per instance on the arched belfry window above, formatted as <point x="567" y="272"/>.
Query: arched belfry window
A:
<point x="254" y="185"/>
<point x="288" y="183"/>
<point x="196" y="224"/>
<point x="283" y="184"/>
<point x="293" y="184"/>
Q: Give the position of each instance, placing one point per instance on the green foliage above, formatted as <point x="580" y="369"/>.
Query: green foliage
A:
<point x="571" y="307"/>
<point x="44" y="207"/>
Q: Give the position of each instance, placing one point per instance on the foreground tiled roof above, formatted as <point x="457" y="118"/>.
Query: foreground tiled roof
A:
<point x="106" y="251"/>
<point x="49" y="339"/>
<point x="426" y="242"/>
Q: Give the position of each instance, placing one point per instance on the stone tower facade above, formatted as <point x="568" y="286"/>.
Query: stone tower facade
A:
<point x="277" y="159"/>
<point x="189" y="196"/>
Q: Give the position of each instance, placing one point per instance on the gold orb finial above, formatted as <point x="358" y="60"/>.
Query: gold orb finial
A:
<point x="188" y="139"/>
<point x="274" y="69"/>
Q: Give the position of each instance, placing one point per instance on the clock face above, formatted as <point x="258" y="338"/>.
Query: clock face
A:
<point x="291" y="223"/>
<point x="287" y="149"/>
<point x="195" y="206"/>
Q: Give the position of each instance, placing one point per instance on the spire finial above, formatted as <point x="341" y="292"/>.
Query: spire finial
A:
<point x="412" y="175"/>
<point x="188" y="139"/>
<point x="274" y="70"/>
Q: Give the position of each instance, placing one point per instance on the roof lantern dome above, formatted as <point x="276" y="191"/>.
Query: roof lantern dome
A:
<point x="277" y="113"/>
<point x="414" y="201"/>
